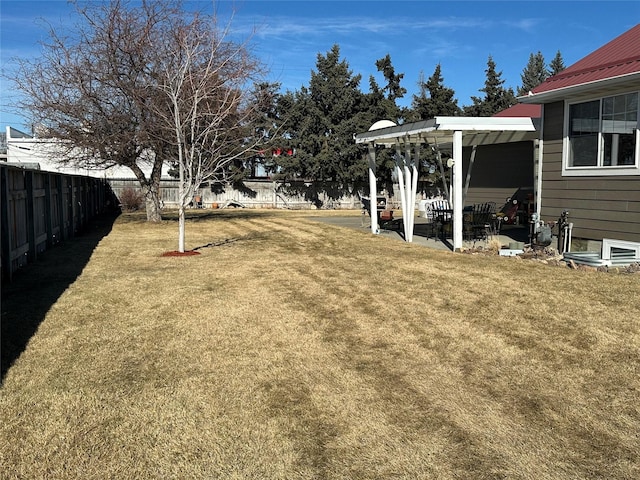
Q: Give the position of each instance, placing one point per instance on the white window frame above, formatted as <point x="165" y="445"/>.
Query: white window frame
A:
<point x="599" y="169"/>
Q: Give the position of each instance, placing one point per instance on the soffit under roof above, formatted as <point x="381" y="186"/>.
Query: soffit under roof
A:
<point x="598" y="88"/>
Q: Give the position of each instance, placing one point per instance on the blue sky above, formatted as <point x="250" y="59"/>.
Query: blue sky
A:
<point x="417" y="34"/>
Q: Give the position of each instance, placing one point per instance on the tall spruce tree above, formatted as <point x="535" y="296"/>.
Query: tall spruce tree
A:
<point x="434" y="98"/>
<point x="393" y="88"/>
<point x="496" y="97"/>
<point x="376" y="107"/>
<point x="377" y="104"/>
<point x="320" y="121"/>
<point x="321" y="124"/>
<point x="533" y="74"/>
<point x="267" y="134"/>
<point x="557" y="64"/>
<point x="380" y="102"/>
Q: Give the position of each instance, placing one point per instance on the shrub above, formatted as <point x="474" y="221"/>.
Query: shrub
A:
<point x="131" y="200"/>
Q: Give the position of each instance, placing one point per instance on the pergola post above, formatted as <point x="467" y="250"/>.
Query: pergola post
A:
<point x="401" y="185"/>
<point x="408" y="185"/>
<point x="408" y="216"/>
<point x="457" y="190"/>
<point x="373" y="189"/>
<point x="414" y="184"/>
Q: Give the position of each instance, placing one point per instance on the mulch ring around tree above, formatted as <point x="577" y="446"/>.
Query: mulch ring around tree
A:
<point x="175" y="253"/>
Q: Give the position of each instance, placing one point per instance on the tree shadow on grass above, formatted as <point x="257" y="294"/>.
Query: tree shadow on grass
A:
<point x="198" y="215"/>
<point x="37" y="286"/>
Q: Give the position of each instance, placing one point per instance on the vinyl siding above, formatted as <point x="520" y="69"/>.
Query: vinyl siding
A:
<point x="599" y="207"/>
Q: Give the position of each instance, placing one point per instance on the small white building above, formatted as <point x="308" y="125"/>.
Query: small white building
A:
<point x="41" y="154"/>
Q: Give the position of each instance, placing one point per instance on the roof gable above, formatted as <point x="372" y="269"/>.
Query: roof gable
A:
<point x="619" y="57"/>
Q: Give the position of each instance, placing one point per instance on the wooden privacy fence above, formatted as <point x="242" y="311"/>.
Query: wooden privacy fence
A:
<point x="40" y="209"/>
<point x="258" y="194"/>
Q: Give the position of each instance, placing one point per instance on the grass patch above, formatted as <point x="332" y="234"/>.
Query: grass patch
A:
<point x="290" y="348"/>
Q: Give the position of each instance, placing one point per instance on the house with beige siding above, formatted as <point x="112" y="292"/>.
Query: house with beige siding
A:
<point x="590" y="142"/>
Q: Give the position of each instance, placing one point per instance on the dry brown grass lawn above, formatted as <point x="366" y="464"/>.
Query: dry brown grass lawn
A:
<point x="291" y="349"/>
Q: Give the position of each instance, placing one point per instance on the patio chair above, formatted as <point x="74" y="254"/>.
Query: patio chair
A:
<point x="467" y="223"/>
<point x="439" y="214"/>
<point x="483" y="221"/>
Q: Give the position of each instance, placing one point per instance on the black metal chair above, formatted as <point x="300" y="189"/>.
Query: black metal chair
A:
<point x="440" y="215"/>
<point x="483" y="221"/>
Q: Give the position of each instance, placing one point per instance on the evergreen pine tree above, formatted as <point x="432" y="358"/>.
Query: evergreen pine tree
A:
<point x="557" y="64"/>
<point x="378" y="106"/>
<point x="496" y="97"/>
<point x="393" y="88"/>
<point x="321" y="123"/>
<point x="533" y="74"/>
<point x="434" y="98"/>
<point x="267" y="129"/>
<point x="381" y="102"/>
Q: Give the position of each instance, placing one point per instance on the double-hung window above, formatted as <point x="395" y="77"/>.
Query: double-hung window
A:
<point x="603" y="136"/>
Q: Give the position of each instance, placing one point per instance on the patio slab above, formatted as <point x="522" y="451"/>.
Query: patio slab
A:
<point x="508" y="234"/>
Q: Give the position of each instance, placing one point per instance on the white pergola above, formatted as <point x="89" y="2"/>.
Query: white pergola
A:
<point x="454" y="132"/>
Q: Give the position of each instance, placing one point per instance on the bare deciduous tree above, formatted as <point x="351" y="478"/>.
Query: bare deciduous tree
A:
<point x="206" y="79"/>
<point x="91" y="91"/>
<point x="141" y="87"/>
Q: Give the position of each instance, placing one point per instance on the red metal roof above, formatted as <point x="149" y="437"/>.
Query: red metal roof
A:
<point x="530" y="110"/>
<point x="621" y="56"/>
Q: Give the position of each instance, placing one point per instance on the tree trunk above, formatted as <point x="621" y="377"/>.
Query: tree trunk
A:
<point x="181" y="229"/>
<point x="152" y="203"/>
<point x="182" y="204"/>
<point x="151" y="189"/>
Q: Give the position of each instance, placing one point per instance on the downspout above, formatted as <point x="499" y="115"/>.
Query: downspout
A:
<point x="539" y="144"/>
